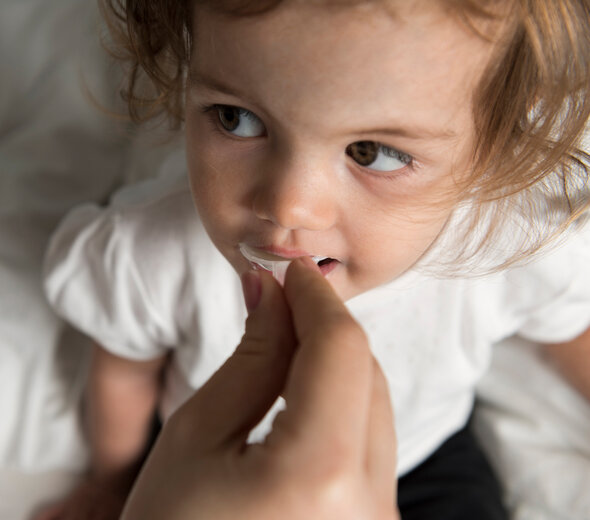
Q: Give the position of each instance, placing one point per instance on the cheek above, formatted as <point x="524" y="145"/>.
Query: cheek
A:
<point x="214" y="180"/>
<point x="391" y="246"/>
<point x="211" y="200"/>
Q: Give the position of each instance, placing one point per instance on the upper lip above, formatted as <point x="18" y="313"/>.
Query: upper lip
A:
<point x="283" y="252"/>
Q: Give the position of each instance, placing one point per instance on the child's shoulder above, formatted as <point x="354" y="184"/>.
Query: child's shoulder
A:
<point x="153" y="217"/>
<point x="156" y="225"/>
<point x="149" y="234"/>
<point x="559" y="264"/>
<point x="158" y="206"/>
<point x="131" y="274"/>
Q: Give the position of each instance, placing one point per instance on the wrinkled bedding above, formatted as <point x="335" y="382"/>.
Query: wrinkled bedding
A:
<point x="536" y="431"/>
<point x="57" y="150"/>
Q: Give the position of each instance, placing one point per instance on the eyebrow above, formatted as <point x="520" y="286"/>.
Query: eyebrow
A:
<point x="411" y="132"/>
<point x="198" y="79"/>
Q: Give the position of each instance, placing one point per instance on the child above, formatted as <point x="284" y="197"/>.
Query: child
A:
<point x="386" y="139"/>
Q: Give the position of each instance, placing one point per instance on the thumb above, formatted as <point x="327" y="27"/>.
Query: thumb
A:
<point x="240" y="393"/>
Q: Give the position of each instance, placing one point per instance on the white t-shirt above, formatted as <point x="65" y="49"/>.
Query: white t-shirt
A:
<point x="142" y="278"/>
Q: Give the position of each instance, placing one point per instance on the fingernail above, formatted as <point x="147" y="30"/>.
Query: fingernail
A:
<point x="252" y="289"/>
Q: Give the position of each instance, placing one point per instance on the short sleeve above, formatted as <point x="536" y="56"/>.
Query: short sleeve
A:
<point x="96" y="276"/>
<point x="557" y="291"/>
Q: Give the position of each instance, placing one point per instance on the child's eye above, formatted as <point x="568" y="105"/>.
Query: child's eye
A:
<point x="239" y="121"/>
<point x="377" y="156"/>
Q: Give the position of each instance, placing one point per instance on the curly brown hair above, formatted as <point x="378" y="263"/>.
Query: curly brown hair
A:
<point x="530" y="107"/>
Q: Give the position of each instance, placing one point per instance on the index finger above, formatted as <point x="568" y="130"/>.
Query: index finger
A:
<point x="329" y="387"/>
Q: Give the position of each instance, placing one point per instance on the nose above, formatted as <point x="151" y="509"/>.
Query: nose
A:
<point x="295" y="194"/>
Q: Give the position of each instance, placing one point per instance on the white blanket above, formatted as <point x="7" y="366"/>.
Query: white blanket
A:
<point x="56" y="150"/>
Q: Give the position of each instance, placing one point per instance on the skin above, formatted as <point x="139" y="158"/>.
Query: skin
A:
<point x="572" y="359"/>
<point x="333" y="445"/>
<point x="293" y="190"/>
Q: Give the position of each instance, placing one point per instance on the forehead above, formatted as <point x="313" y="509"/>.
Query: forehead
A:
<point x="302" y="56"/>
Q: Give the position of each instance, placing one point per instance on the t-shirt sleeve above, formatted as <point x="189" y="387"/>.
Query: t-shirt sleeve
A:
<point x="557" y="291"/>
<point x="96" y="279"/>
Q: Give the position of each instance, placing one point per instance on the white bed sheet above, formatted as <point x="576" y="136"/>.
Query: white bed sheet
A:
<point x="56" y="150"/>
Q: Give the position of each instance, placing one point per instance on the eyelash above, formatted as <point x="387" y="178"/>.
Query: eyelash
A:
<point x="211" y="111"/>
<point x="407" y="170"/>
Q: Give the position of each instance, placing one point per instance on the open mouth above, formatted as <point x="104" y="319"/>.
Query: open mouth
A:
<point x="277" y="266"/>
<point x="325" y="261"/>
<point x="327" y="264"/>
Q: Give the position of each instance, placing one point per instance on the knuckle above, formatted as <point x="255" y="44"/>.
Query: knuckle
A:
<point x="325" y="490"/>
<point x="252" y="344"/>
<point x="333" y="493"/>
<point x="333" y="488"/>
<point x="261" y="338"/>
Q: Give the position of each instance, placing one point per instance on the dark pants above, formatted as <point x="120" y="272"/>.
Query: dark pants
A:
<point x="455" y="483"/>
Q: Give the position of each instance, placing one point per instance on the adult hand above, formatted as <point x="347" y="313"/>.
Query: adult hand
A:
<point x="331" y="453"/>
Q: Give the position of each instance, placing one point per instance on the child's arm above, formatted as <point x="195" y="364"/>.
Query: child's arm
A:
<point x="121" y="402"/>
<point x="573" y="361"/>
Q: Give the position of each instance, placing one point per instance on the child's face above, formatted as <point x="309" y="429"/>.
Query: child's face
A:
<point x="331" y="132"/>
